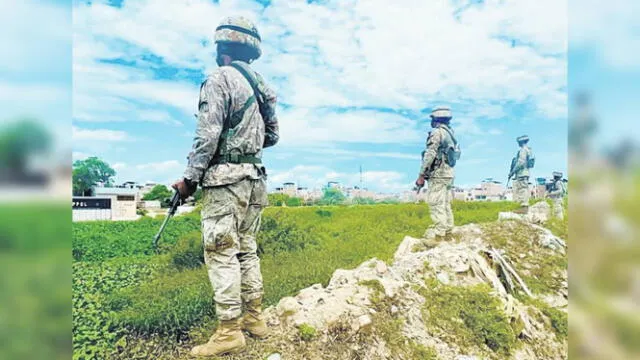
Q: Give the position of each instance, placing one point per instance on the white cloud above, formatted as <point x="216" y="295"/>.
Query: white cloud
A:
<point x="92" y="135"/>
<point x="77" y="155"/>
<point x="162" y="166"/>
<point x="357" y="59"/>
<point x="609" y="27"/>
<point x="119" y="166"/>
<point x="316" y="177"/>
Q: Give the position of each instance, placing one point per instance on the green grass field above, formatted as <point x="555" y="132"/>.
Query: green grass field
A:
<point x="124" y="295"/>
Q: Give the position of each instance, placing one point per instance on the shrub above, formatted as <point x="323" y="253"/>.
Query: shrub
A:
<point x="167" y="304"/>
<point x="307" y="332"/>
<point x="188" y="253"/>
<point x="481" y="320"/>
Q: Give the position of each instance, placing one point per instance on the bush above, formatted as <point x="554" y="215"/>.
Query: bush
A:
<point x="167" y="304"/>
<point x="188" y="253"/>
<point x="481" y="321"/>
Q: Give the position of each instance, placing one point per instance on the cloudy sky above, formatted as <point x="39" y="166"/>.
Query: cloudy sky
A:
<point x="356" y="80"/>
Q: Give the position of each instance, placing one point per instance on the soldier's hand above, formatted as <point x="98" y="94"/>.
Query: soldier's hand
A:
<point x="420" y="181"/>
<point x="184" y="188"/>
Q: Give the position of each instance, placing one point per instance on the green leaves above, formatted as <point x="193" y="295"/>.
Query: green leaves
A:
<point x="87" y="173"/>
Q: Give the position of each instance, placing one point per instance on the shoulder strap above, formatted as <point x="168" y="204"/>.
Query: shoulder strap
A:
<point x="251" y="79"/>
<point x="455" y="142"/>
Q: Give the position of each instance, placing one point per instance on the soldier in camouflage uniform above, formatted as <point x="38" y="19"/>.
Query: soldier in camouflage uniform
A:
<point x="233" y="128"/>
<point x="522" y="163"/>
<point x="557" y="193"/>
<point x="440" y="175"/>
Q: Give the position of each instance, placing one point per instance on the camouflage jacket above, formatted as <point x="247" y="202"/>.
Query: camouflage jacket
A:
<point x="433" y="164"/>
<point x="521" y="163"/>
<point x="559" y="190"/>
<point x="223" y="93"/>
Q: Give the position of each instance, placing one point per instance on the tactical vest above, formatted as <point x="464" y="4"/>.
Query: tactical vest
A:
<point x="231" y="123"/>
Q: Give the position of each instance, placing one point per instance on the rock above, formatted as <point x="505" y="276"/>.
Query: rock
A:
<point x="466" y="357"/>
<point x="394" y="310"/>
<point x="287" y="307"/>
<point x="275" y="356"/>
<point x="539" y="213"/>
<point x="364" y="321"/>
<point x="462" y="268"/>
<point x="443" y="278"/>
<point x="381" y="268"/>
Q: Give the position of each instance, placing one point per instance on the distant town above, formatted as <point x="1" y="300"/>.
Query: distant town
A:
<point x="126" y="201"/>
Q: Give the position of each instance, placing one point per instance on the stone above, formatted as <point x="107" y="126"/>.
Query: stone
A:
<point x="364" y="321"/>
<point x="275" y="356"/>
<point x="287" y="306"/>
<point x="443" y="278"/>
<point x="394" y="310"/>
<point x="381" y="268"/>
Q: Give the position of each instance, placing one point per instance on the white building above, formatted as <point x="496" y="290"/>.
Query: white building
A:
<point x="107" y="204"/>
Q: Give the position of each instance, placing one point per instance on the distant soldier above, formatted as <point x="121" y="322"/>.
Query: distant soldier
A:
<point x="557" y="192"/>
<point x="437" y="168"/>
<point x="519" y="173"/>
<point x="236" y="120"/>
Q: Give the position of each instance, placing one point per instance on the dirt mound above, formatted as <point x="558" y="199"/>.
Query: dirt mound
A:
<point x="471" y="298"/>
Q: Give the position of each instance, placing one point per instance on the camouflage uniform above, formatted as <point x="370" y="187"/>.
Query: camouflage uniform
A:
<point x="234" y="194"/>
<point x="557" y="195"/>
<point x="440" y="181"/>
<point x="521" y="191"/>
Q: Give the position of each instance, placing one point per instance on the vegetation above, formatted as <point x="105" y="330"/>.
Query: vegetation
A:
<point x="89" y="172"/>
<point x="469" y="317"/>
<point x="126" y="295"/>
<point x="20" y="141"/>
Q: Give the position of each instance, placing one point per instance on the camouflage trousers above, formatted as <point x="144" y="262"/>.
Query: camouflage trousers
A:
<point x="521" y="191"/>
<point x="439" y="199"/>
<point x="558" y="208"/>
<point x="231" y="216"/>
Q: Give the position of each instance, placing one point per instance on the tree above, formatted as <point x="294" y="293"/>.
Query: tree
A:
<point x="19" y="142"/>
<point x="332" y="196"/>
<point x="160" y="193"/>
<point x="88" y="173"/>
<point x="293" y="201"/>
<point x="277" y="199"/>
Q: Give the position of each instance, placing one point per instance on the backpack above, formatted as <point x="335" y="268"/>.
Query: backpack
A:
<point x="531" y="160"/>
<point x="452" y="151"/>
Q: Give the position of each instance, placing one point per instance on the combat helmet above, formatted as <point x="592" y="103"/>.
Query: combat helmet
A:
<point x="239" y="30"/>
<point x="557" y="174"/>
<point x="441" y="113"/>
<point x="523" y="138"/>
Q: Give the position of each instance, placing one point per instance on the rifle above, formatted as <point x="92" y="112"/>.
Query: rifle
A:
<point x="512" y="171"/>
<point x="175" y="201"/>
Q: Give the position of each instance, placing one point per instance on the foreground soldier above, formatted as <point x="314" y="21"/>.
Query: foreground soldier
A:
<point x="438" y="160"/>
<point x="233" y="128"/>
<point x="520" y="165"/>
<point x="557" y="193"/>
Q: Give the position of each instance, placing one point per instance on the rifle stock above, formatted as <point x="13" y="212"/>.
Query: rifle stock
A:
<point x="175" y="201"/>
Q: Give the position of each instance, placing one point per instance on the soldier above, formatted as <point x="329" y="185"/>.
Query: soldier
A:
<point x="438" y="161"/>
<point x="520" y="165"/>
<point x="236" y="120"/>
<point x="557" y="192"/>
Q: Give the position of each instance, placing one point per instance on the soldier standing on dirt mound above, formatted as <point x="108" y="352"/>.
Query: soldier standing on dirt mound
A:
<point x="520" y="165"/>
<point x="236" y="120"/>
<point x="437" y="168"/>
<point x="557" y="193"/>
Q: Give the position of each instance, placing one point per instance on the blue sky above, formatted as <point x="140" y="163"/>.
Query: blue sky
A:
<point x="356" y="80"/>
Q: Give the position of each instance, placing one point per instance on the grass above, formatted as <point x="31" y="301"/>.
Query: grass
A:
<point x="166" y="295"/>
<point x="470" y="317"/>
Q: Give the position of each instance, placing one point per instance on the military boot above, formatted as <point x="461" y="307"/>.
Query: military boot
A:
<point x="252" y="321"/>
<point x="228" y="339"/>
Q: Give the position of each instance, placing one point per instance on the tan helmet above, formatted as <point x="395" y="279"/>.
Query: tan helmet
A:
<point x="239" y="30"/>
<point x="441" y="112"/>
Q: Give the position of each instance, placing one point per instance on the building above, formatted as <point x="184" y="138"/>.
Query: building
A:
<point x="107" y="204"/>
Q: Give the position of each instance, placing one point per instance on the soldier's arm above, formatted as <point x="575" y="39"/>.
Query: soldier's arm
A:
<point x="433" y="144"/>
<point x="272" y="132"/>
<point x="522" y="160"/>
<point x="212" y="108"/>
<point x="557" y="190"/>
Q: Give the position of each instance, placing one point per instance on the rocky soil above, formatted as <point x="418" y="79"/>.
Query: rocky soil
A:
<point x="463" y="299"/>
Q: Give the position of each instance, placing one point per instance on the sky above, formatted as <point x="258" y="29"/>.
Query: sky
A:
<point x="355" y="80"/>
